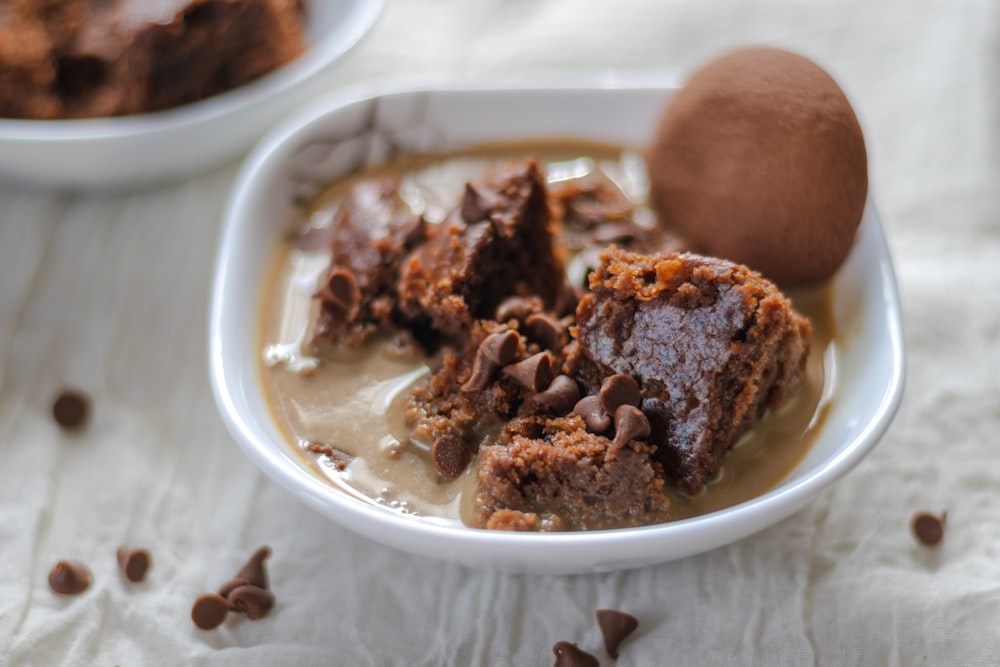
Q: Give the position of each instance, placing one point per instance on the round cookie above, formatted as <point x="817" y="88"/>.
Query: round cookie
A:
<point x="760" y="159"/>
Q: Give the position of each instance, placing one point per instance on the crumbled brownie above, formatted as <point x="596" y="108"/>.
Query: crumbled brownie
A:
<point x="371" y="233"/>
<point x="497" y="243"/>
<point x="711" y="343"/>
<point x="554" y="466"/>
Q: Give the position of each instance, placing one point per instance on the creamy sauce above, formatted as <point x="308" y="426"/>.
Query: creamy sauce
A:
<point x="353" y="400"/>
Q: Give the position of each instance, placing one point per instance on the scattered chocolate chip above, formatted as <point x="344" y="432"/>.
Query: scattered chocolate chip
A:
<point x="209" y="611"/>
<point x="593" y="414"/>
<point x="134" y="563"/>
<point x="500" y="348"/>
<point x="71" y="409"/>
<point x="232" y="585"/>
<point x="517" y="308"/>
<point x="69" y="578"/>
<point x="928" y="528"/>
<point x="544" y="330"/>
<point x="495" y="351"/>
<point x="615" y="626"/>
<point x="534" y="373"/>
<point x="451" y="455"/>
<point x="254" y="601"/>
<point x="339" y="287"/>
<point x="619" y="389"/>
<point x="630" y="424"/>
<point x="560" y="396"/>
<point x="570" y="655"/>
<point x="254" y="571"/>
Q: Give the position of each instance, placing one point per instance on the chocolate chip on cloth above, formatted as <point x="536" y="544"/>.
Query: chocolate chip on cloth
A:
<point x="69" y="577"/>
<point x="248" y="593"/>
<point x="615" y="627"/>
<point x="134" y="563"/>
<point x="254" y="601"/>
<point x="928" y="528"/>
<point x="210" y="611"/>
<point x="71" y="409"/>
<point x="570" y="655"/>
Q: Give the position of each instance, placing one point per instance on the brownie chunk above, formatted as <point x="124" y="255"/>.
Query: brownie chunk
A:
<point x="569" y="478"/>
<point x="711" y="343"/>
<point x="497" y="243"/>
<point x="27" y="74"/>
<point x="371" y="233"/>
<point x="80" y="58"/>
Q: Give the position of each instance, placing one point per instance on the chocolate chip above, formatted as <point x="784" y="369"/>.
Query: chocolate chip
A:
<point x="495" y="351"/>
<point x="500" y="348"/>
<point x="533" y="373"/>
<point x="544" y="330"/>
<point x="71" y="409"/>
<point x="254" y="571"/>
<point x="134" y="563"/>
<point x="928" y="528"/>
<point x="232" y="585"/>
<point x="570" y="655"/>
<point x="69" y="578"/>
<point x="517" y="308"/>
<point x="560" y="396"/>
<point x="209" y="611"/>
<point x="619" y="389"/>
<point x="451" y="455"/>
<point x="593" y="414"/>
<point x="615" y="626"/>
<point x="339" y="287"/>
<point x="477" y="205"/>
<point x="630" y="424"/>
<point x="254" y="601"/>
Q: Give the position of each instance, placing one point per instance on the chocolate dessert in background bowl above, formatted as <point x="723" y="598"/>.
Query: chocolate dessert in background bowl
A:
<point x="469" y="391"/>
<point x="89" y="90"/>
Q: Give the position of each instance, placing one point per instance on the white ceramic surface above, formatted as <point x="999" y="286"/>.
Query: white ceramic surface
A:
<point x="357" y="126"/>
<point x="135" y="150"/>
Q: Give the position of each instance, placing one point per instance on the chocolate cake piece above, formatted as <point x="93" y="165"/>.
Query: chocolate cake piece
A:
<point x="497" y="243"/>
<point x="371" y="233"/>
<point x="87" y="58"/>
<point x="712" y="344"/>
<point x="567" y="477"/>
<point x="27" y="74"/>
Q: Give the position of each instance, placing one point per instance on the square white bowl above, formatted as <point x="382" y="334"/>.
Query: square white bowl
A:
<point x="363" y="126"/>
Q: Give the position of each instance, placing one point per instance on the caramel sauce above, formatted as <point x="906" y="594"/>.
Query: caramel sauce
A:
<point x="353" y="399"/>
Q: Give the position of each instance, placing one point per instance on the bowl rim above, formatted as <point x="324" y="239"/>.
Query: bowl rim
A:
<point x="502" y="547"/>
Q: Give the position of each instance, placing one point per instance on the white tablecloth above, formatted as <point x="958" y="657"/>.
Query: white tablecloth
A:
<point x="109" y="293"/>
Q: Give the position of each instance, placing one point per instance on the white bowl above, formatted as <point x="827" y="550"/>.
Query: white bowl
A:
<point x="332" y="138"/>
<point x="133" y="150"/>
